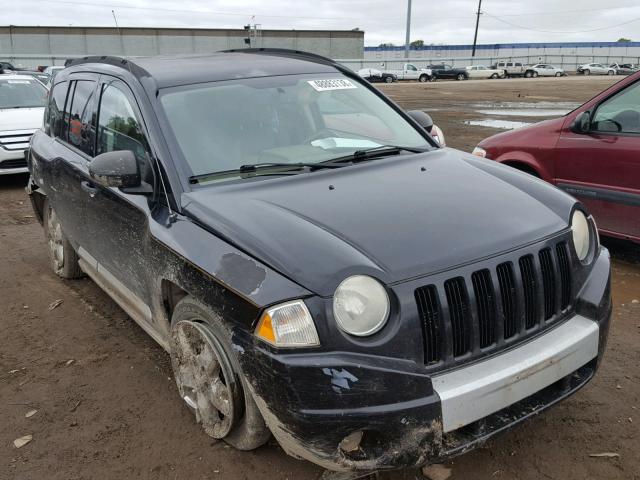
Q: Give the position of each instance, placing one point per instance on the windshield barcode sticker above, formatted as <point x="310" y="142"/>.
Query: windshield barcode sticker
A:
<point x="331" y="84"/>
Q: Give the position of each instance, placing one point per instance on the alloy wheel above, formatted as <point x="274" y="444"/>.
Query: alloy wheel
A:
<point x="201" y="370"/>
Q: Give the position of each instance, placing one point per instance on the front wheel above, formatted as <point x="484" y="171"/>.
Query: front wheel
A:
<point x="388" y="79"/>
<point x="558" y="74"/>
<point x="209" y="377"/>
<point x="611" y="72"/>
<point x="461" y="76"/>
<point x="62" y="257"/>
<point x="423" y="78"/>
<point x="586" y="72"/>
<point x="534" y="74"/>
<point x="528" y="74"/>
<point x="494" y="76"/>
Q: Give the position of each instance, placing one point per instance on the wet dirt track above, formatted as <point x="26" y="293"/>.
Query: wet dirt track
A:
<point x="107" y="406"/>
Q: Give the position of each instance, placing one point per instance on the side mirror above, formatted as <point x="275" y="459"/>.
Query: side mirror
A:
<point x="116" y="169"/>
<point x="582" y="123"/>
<point x="422" y="119"/>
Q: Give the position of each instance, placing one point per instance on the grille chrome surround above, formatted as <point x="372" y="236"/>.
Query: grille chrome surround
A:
<point x="15" y="141"/>
<point x="475" y="312"/>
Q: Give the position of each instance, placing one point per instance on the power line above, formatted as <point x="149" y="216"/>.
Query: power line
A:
<point x="560" y="12"/>
<point x="507" y="22"/>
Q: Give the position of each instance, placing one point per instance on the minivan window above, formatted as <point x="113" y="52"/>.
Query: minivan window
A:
<point x="118" y="128"/>
<point x="620" y="113"/>
<point x="22" y="93"/>
<point x="78" y="121"/>
<point x="221" y="126"/>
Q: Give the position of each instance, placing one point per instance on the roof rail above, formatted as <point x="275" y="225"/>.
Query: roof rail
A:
<point x="284" y="52"/>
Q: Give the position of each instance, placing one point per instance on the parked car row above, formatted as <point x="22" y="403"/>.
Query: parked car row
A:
<point x="43" y="74"/>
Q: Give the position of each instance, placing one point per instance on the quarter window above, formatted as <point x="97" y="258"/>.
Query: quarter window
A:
<point x="78" y="118"/>
<point x="118" y="128"/>
<point x="621" y="113"/>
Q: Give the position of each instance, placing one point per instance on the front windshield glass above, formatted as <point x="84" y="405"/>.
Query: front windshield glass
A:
<point x="22" y="93"/>
<point x="222" y="126"/>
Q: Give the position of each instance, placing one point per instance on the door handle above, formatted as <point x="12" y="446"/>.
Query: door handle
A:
<point x="87" y="187"/>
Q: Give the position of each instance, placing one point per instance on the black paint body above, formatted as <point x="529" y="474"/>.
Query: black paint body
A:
<point x="408" y="220"/>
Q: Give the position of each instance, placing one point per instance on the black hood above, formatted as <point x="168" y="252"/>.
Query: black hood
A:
<point x="395" y="218"/>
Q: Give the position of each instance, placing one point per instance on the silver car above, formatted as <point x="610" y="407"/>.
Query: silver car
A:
<point x="543" y="70"/>
<point x="595" y="69"/>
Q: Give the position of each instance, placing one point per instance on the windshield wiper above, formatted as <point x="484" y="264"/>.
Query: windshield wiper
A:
<point x="281" y="167"/>
<point x="376" y="152"/>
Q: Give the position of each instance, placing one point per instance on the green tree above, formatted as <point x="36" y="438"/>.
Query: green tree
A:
<point x="386" y="45"/>
<point x="417" y="43"/>
<point x="624" y="40"/>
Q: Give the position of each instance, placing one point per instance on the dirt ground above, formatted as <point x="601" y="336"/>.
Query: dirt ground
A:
<point x="106" y="403"/>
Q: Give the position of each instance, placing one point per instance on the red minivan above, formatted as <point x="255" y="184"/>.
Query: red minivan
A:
<point x="593" y="153"/>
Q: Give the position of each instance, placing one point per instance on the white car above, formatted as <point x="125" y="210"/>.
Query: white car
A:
<point x="22" y="102"/>
<point x="51" y="72"/>
<point x="482" y="71"/>
<point x="595" y="69"/>
<point x="543" y="70"/>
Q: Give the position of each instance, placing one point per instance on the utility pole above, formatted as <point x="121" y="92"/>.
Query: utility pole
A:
<point x="407" y="42"/>
<point x="475" y="36"/>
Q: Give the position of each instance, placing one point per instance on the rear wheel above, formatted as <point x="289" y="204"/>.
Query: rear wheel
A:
<point x="528" y="74"/>
<point x="209" y="378"/>
<point x="62" y="257"/>
<point x="494" y="76"/>
<point x="534" y="74"/>
<point x="388" y="79"/>
<point x="610" y="72"/>
<point x="461" y="76"/>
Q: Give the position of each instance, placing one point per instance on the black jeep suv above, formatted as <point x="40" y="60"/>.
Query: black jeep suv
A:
<point x="316" y="266"/>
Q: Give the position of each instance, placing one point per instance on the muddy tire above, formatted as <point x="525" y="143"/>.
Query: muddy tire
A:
<point x="62" y="257"/>
<point x="209" y="378"/>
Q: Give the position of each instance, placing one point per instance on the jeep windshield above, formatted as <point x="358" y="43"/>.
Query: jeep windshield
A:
<point x="22" y="93"/>
<point x="223" y="127"/>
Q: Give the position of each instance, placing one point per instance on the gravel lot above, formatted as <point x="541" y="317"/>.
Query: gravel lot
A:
<point x="106" y="403"/>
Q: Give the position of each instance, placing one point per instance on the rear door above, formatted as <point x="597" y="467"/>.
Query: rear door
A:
<point x="63" y="162"/>
<point x="602" y="167"/>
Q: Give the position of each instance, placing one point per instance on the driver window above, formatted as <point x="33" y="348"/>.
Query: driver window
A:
<point x="621" y="113"/>
<point x="412" y="68"/>
<point x="118" y="128"/>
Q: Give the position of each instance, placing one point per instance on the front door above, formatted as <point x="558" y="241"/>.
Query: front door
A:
<point x="602" y="167"/>
<point x="118" y="250"/>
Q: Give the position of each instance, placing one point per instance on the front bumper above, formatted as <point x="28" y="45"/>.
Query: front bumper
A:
<point x="346" y="411"/>
<point x="12" y="161"/>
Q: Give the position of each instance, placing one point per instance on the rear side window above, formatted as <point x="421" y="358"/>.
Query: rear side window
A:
<point x="118" y="128"/>
<point x="55" y="109"/>
<point x="79" y="116"/>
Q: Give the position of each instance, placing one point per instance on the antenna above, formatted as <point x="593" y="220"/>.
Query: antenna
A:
<point x="113" y="12"/>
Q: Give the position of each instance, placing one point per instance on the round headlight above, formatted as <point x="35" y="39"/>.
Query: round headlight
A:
<point x="581" y="234"/>
<point x="360" y="305"/>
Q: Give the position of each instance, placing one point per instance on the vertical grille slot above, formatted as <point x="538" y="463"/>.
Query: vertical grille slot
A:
<point x="508" y="295"/>
<point x="483" y="289"/>
<point x="458" y="302"/>
<point x="565" y="274"/>
<point x="530" y="291"/>
<point x="548" y="283"/>
<point x="429" y="310"/>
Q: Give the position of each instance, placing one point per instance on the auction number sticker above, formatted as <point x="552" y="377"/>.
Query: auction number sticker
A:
<point x="331" y="84"/>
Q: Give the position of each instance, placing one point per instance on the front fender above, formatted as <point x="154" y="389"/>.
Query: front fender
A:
<point x="513" y="157"/>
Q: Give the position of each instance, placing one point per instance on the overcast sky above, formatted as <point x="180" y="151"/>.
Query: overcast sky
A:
<point x="434" y="21"/>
